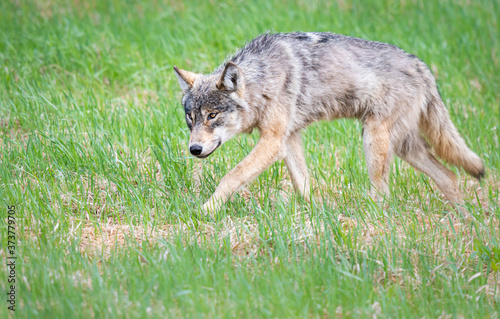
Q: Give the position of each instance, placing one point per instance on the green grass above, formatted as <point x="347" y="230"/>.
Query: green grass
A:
<point x="93" y="140"/>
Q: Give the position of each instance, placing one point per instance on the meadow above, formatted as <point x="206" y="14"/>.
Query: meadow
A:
<point x="94" y="157"/>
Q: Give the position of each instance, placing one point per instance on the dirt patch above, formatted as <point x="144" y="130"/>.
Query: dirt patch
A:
<point x="103" y="239"/>
<point x="241" y="234"/>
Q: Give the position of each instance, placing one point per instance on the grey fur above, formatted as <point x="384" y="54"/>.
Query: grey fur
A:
<point x="295" y="79"/>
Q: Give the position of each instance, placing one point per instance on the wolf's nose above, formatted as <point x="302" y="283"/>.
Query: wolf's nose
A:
<point x="196" y="149"/>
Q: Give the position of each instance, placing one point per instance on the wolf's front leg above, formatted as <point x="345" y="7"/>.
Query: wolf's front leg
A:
<point x="296" y="164"/>
<point x="268" y="150"/>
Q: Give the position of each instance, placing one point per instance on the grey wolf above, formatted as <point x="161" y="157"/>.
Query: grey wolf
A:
<point x="281" y="83"/>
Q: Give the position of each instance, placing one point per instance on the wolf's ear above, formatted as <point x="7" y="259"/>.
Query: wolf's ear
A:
<point x="186" y="78"/>
<point x="231" y="79"/>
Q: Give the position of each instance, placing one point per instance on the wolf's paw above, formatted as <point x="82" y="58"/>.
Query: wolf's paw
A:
<point x="206" y="209"/>
<point x="209" y="210"/>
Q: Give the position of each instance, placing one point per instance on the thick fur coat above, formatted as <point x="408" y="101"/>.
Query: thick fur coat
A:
<point x="281" y="83"/>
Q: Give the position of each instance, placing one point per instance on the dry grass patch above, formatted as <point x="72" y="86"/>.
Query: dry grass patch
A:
<point x="242" y="234"/>
<point x="102" y="239"/>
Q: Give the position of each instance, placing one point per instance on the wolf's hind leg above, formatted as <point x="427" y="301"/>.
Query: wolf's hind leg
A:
<point x="296" y="164"/>
<point x="415" y="150"/>
<point x="378" y="153"/>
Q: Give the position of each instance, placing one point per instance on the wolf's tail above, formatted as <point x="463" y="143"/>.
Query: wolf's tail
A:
<point x="446" y="141"/>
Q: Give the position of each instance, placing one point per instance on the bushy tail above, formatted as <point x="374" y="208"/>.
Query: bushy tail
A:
<point x="446" y="141"/>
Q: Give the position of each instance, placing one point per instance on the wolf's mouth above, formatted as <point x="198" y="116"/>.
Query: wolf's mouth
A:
<point x="205" y="156"/>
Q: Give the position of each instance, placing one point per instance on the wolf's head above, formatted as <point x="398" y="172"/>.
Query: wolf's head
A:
<point x="213" y="105"/>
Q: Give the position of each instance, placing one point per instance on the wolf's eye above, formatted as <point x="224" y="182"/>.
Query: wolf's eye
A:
<point x="212" y="116"/>
<point x="189" y="117"/>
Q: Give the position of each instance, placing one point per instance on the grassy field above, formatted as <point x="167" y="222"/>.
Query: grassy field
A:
<point x="93" y="155"/>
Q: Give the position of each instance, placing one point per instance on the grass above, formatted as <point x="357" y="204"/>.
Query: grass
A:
<point x="93" y="154"/>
